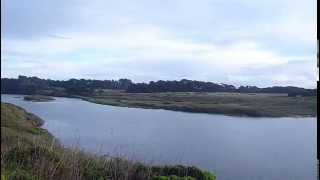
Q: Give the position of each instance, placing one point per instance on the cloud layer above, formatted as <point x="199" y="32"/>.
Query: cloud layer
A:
<point x="240" y="42"/>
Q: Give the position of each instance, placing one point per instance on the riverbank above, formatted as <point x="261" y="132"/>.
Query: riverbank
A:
<point x="30" y="152"/>
<point x="38" y="98"/>
<point x="234" y="104"/>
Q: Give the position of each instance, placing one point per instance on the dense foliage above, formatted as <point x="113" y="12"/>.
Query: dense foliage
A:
<point x="34" y="85"/>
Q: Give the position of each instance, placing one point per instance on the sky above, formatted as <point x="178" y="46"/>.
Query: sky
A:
<point x="239" y="42"/>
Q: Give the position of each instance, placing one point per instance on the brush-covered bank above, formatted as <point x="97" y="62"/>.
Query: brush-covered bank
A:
<point x="30" y="152"/>
<point x="38" y="98"/>
<point x="233" y="104"/>
<point x="184" y="95"/>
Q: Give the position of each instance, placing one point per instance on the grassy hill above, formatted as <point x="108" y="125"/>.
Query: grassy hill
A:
<point x="29" y="152"/>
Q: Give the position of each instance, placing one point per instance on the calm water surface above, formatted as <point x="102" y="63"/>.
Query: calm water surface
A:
<point x="231" y="147"/>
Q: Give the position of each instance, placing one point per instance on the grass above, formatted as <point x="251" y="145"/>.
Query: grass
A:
<point x="29" y="152"/>
<point x="235" y="104"/>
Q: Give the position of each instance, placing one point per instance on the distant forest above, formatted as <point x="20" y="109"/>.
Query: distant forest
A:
<point x="86" y="87"/>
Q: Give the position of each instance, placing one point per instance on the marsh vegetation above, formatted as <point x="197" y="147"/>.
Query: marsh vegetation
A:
<point x="236" y="104"/>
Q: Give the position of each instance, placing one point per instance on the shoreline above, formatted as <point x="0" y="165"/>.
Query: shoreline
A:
<point x="38" y="98"/>
<point x="258" y="109"/>
<point x="255" y="109"/>
<point x="197" y="112"/>
<point x="25" y="143"/>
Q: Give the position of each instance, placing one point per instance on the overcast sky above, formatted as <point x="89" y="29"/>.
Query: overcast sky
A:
<point x="240" y="42"/>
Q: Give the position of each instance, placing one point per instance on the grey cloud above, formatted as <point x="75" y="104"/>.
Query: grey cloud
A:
<point x="295" y="73"/>
<point x="216" y="22"/>
<point x="34" y="18"/>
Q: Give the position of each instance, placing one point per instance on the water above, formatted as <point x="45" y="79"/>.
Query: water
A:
<point x="239" y="148"/>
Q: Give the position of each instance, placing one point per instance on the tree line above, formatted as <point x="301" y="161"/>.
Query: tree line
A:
<point x="35" y="85"/>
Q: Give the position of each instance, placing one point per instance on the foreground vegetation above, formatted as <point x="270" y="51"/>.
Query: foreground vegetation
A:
<point x="30" y="152"/>
<point x="237" y="104"/>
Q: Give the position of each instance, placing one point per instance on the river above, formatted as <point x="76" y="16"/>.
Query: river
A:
<point x="239" y="148"/>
